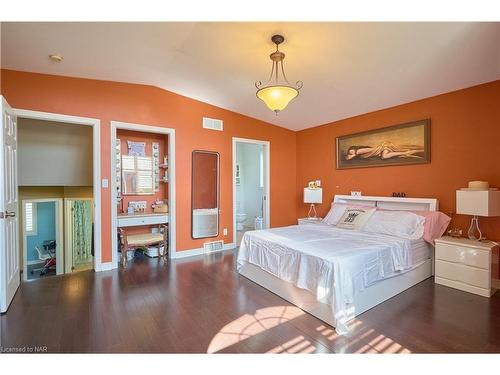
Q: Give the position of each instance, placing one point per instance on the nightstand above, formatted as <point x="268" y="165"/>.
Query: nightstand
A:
<point x="308" y="221"/>
<point x="468" y="265"/>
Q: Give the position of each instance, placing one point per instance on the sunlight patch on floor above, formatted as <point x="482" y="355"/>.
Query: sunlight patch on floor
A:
<point x="249" y="325"/>
<point x="296" y="345"/>
<point x="367" y="338"/>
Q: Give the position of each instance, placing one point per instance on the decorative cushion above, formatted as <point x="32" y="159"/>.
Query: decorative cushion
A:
<point x="144" y="239"/>
<point x="338" y="209"/>
<point x="355" y="218"/>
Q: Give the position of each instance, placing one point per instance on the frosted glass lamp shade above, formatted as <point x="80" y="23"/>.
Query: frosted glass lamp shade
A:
<point x="478" y="203"/>
<point x="277" y="97"/>
<point x="313" y="195"/>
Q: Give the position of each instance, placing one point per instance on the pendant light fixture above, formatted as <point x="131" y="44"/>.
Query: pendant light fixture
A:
<point x="277" y="92"/>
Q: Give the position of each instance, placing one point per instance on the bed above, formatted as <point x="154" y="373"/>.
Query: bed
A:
<point x="336" y="274"/>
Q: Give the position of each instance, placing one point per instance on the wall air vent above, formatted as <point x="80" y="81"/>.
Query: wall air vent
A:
<point x="213" y="124"/>
<point x="210" y="247"/>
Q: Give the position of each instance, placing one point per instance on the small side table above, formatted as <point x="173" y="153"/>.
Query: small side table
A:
<point x="468" y="265"/>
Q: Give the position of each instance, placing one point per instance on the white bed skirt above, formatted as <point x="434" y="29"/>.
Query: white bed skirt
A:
<point x="363" y="301"/>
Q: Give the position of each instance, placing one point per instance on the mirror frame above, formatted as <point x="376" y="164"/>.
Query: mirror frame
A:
<point x="218" y="191"/>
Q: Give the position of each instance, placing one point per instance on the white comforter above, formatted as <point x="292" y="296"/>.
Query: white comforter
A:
<point x="332" y="263"/>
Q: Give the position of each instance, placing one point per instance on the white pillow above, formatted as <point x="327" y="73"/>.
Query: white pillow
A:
<point x="355" y="218"/>
<point x="337" y="210"/>
<point x="402" y="224"/>
<point x="333" y="216"/>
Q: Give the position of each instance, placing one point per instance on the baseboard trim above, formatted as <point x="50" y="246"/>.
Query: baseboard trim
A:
<point x="201" y="251"/>
<point x="106" y="266"/>
<point x="178" y="255"/>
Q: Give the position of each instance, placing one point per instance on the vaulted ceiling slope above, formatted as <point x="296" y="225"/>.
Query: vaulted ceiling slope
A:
<point x="347" y="68"/>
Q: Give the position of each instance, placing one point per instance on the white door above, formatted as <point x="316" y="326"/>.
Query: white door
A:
<point x="9" y="230"/>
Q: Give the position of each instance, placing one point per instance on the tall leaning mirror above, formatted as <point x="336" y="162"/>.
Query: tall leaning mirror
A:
<point x="205" y="194"/>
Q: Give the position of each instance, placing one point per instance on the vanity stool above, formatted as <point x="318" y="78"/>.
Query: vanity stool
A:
<point x="133" y="241"/>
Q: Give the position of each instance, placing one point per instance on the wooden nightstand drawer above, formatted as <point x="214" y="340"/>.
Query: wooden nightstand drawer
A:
<point x="458" y="272"/>
<point x="459" y="254"/>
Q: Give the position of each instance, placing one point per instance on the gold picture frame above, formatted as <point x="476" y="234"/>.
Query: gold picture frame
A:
<point x="403" y="144"/>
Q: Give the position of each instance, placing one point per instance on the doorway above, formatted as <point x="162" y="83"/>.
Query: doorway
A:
<point x="58" y="160"/>
<point x="139" y="208"/>
<point x="251" y="181"/>
<point x="55" y="165"/>
<point x="42" y="238"/>
<point x="78" y="234"/>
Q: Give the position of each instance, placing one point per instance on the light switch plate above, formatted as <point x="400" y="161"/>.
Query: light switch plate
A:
<point x="225" y="231"/>
<point x="105" y="183"/>
<point x="318" y="183"/>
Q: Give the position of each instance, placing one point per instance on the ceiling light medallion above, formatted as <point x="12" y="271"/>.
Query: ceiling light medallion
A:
<point x="277" y="92"/>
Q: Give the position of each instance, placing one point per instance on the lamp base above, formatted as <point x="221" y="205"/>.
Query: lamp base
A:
<point x="312" y="214"/>
<point x="474" y="227"/>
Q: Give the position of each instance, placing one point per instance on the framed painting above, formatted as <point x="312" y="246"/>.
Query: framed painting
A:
<point x="402" y="144"/>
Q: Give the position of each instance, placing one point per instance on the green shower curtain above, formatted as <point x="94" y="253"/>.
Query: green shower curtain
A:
<point x="82" y="232"/>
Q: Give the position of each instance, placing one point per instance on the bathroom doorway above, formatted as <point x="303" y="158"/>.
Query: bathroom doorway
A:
<point x="250" y="186"/>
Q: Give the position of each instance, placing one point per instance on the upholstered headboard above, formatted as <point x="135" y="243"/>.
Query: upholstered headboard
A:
<point x="391" y="203"/>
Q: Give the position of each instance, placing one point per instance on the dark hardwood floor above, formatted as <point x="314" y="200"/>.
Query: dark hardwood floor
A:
<point x="201" y="305"/>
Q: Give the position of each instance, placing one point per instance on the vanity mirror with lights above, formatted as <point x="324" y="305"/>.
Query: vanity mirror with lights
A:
<point x="137" y="175"/>
<point x="205" y="194"/>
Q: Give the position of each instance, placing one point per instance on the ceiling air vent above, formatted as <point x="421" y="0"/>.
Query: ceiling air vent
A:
<point x="210" y="247"/>
<point x="213" y="124"/>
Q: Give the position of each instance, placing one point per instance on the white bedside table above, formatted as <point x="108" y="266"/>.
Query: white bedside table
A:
<point x="307" y="221"/>
<point x="467" y="265"/>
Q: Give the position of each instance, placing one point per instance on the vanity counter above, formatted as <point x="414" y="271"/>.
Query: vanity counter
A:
<point x="143" y="218"/>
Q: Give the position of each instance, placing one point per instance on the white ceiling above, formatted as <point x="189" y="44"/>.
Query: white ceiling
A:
<point x="347" y="68"/>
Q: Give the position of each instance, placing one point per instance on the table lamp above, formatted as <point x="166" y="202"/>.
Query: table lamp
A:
<point x="313" y="196"/>
<point x="475" y="202"/>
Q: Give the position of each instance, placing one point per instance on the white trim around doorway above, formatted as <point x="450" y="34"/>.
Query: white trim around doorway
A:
<point x="171" y="184"/>
<point x="96" y="161"/>
<point x="267" y="182"/>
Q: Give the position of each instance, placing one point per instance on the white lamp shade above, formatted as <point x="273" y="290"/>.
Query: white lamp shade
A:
<point x="479" y="203"/>
<point x="313" y="195"/>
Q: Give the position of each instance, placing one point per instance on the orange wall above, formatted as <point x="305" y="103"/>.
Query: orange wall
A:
<point x="153" y="106"/>
<point x="465" y="136"/>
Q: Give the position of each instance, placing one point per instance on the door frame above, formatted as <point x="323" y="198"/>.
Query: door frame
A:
<point x="115" y="125"/>
<point x="60" y="248"/>
<point x="267" y="180"/>
<point x="68" y="255"/>
<point x="96" y="166"/>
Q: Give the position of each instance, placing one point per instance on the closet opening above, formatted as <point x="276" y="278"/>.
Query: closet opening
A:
<point x="56" y="197"/>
